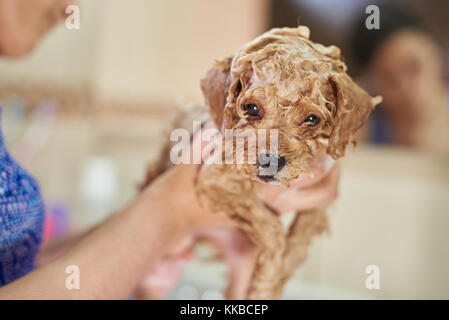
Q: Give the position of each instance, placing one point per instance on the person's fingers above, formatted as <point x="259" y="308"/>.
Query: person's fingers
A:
<point x="239" y="279"/>
<point x="214" y="220"/>
<point x="238" y="252"/>
<point x="231" y="242"/>
<point x="184" y="246"/>
<point x="318" y="195"/>
<point x="319" y="167"/>
<point x="162" y="277"/>
<point x="241" y="266"/>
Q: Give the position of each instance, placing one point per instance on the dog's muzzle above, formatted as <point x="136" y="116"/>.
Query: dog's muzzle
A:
<point x="269" y="164"/>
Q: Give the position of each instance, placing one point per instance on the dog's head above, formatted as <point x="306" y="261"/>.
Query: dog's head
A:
<point x="283" y="81"/>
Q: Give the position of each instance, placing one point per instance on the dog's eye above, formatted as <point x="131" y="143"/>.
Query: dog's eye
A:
<point x="312" y="120"/>
<point x="251" y="110"/>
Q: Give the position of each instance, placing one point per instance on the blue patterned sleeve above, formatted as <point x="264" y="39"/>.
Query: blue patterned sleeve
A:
<point x="21" y="218"/>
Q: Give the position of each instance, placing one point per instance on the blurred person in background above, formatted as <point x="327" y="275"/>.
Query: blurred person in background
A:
<point x="155" y="232"/>
<point x="404" y="64"/>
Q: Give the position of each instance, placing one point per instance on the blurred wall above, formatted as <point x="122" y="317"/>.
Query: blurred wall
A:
<point x="165" y="47"/>
<point x="63" y="57"/>
<point x="140" y="50"/>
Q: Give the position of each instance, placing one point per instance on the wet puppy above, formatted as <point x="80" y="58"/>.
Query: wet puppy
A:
<point x="293" y="95"/>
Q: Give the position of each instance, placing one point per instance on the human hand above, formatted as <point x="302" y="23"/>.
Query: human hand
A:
<point x="217" y="229"/>
<point x="232" y="245"/>
<point x="314" y="189"/>
<point x="163" y="275"/>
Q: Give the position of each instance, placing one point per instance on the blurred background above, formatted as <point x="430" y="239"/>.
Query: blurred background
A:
<point x="84" y="113"/>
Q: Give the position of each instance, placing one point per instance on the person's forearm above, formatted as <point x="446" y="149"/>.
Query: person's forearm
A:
<point x="111" y="259"/>
<point x="50" y="251"/>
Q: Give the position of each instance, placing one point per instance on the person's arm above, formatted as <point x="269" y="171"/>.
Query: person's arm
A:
<point x="111" y="260"/>
<point x="116" y="255"/>
<point x="316" y="189"/>
<point x="56" y="248"/>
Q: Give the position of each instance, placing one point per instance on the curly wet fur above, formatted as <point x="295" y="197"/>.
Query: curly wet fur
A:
<point x="288" y="77"/>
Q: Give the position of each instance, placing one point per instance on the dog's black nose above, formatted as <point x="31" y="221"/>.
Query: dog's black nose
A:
<point x="266" y="160"/>
<point x="281" y="162"/>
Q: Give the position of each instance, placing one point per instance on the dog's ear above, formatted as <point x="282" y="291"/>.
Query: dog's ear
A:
<point x="353" y="107"/>
<point x="215" y="85"/>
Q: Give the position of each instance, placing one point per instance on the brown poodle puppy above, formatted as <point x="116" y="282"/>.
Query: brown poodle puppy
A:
<point x="280" y="83"/>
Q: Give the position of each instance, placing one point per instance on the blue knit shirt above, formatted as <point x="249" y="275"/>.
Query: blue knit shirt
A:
<point x="21" y="218"/>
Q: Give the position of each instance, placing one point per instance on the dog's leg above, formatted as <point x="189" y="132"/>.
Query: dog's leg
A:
<point x="305" y="227"/>
<point x="266" y="231"/>
<point x="233" y="194"/>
